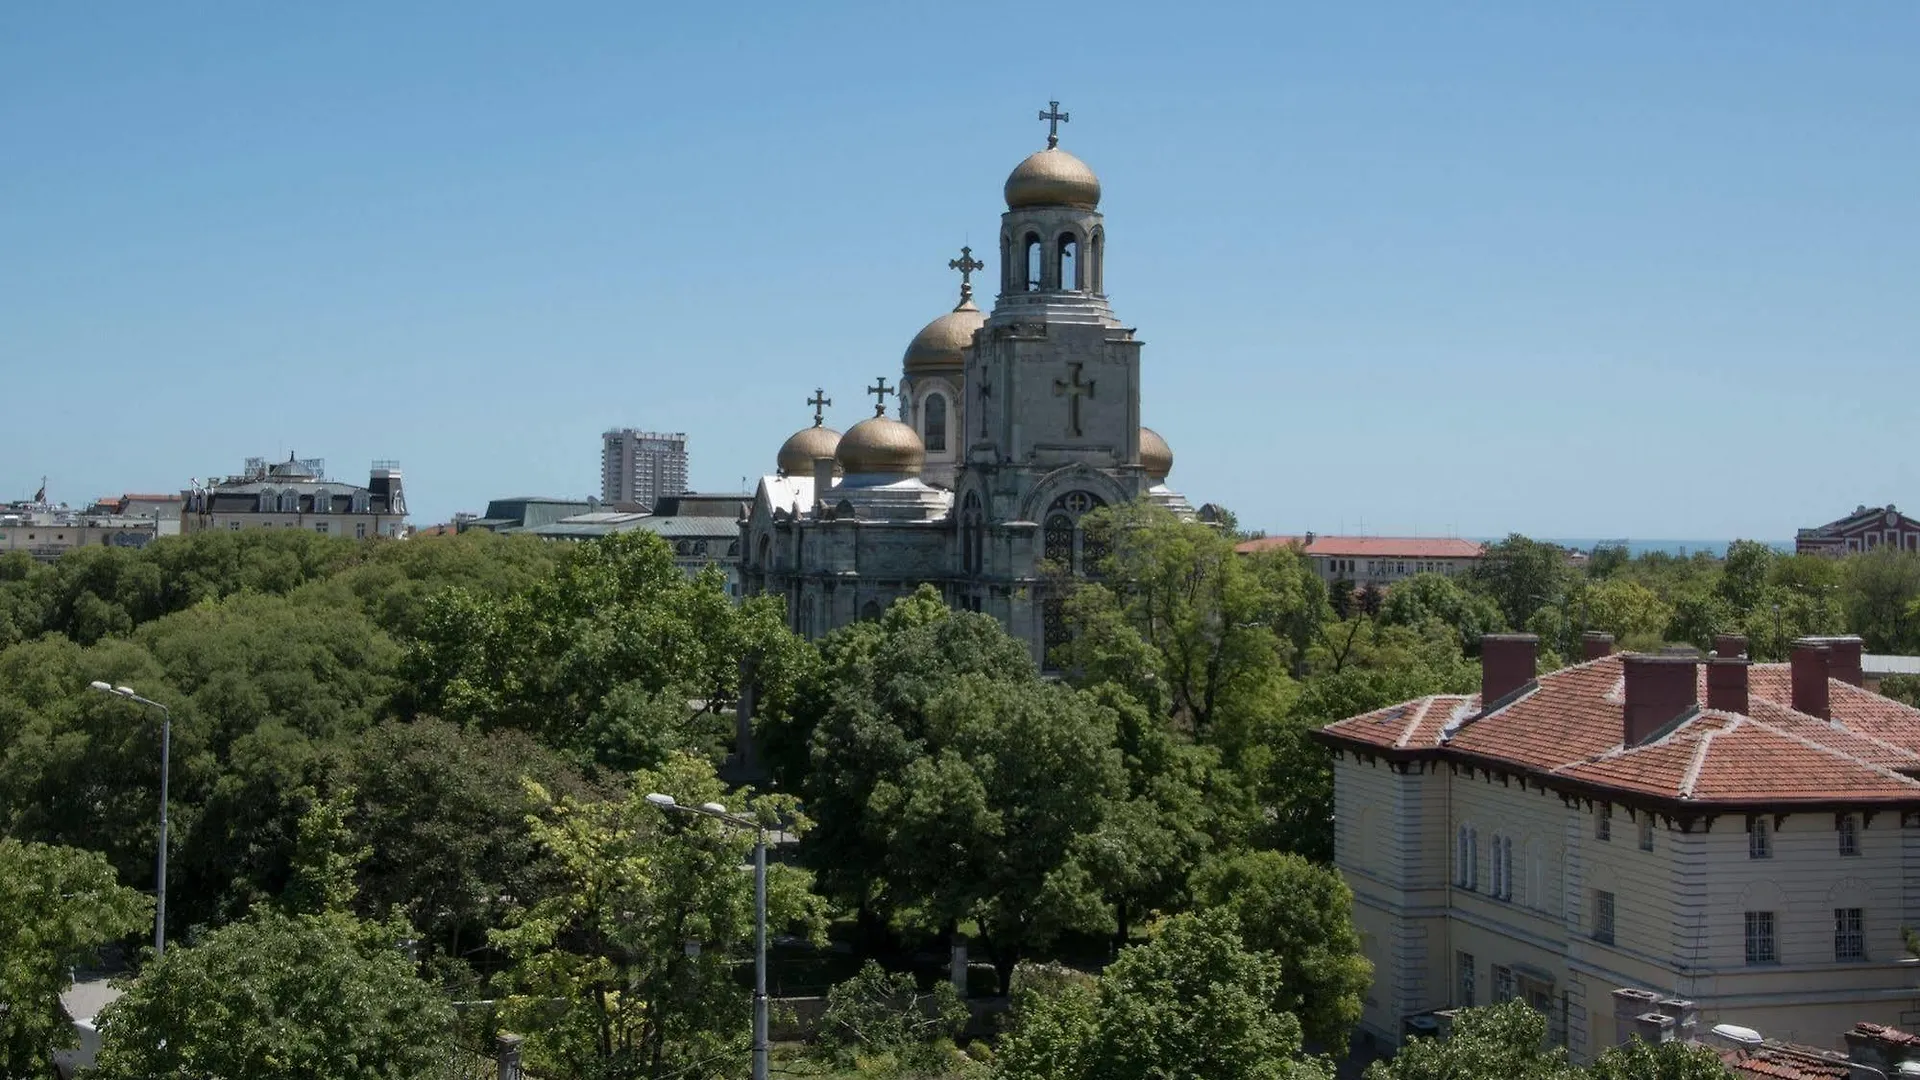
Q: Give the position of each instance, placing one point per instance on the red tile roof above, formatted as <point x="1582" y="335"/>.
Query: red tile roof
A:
<point x="1768" y="1063"/>
<point x="1569" y="730"/>
<point x="1371" y="547"/>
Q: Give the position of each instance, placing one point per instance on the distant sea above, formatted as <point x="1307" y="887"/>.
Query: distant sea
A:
<point x="1641" y="547"/>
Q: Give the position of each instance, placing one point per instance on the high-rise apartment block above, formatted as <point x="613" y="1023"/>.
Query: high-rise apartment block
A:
<point x="642" y="466"/>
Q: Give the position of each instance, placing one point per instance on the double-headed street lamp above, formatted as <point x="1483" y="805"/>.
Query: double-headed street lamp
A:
<point x="166" y="751"/>
<point x="738" y="821"/>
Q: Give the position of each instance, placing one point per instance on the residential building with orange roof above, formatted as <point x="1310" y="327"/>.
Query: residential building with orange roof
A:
<point x="1743" y="836"/>
<point x="1376" y="560"/>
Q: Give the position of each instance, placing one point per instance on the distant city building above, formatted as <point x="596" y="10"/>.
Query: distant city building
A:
<point x="524" y="512"/>
<point x="48" y="532"/>
<point x="641" y="467"/>
<point x="701" y="529"/>
<point x="1376" y="560"/>
<point x="295" y="494"/>
<point x="1867" y="528"/>
<point x="164" y="510"/>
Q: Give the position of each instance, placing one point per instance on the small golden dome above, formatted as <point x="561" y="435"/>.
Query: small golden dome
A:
<point x="1053" y="177"/>
<point x="798" y="452"/>
<point x="942" y="344"/>
<point x="1155" y="455"/>
<point x="881" y="444"/>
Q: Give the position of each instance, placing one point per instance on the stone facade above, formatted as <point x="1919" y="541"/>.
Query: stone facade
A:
<point x="1041" y="418"/>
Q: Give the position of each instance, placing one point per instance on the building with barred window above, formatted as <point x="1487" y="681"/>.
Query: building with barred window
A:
<point x="1742" y="836"/>
<point x="1013" y="426"/>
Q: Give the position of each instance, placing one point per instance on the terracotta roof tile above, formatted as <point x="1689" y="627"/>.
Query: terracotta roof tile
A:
<point x="1772" y="1064"/>
<point x="1373" y="547"/>
<point x="1570" y="727"/>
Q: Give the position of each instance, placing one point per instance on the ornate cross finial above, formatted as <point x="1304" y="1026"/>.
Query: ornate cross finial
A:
<point x="966" y="264"/>
<point x="1054" y="118"/>
<point x="880" y="390"/>
<point x="819" y="401"/>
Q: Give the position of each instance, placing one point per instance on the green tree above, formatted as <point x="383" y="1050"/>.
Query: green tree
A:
<point x="1521" y="575"/>
<point x="278" y="996"/>
<point x="1302" y="914"/>
<point x="1631" y="612"/>
<point x="1425" y="597"/>
<point x="1191" y="1003"/>
<point x="879" y="1022"/>
<point x="1001" y="821"/>
<point x="606" y="980"/>
<point x="57" y="905"/>
<point x="1506" y="1040"/>
<point x="1879" y="590"/>
<point x="1660" y="1061"/>
<point x="1745" y="573"/>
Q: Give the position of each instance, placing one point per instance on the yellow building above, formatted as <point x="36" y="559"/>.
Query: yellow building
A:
<point x="1746" y="836"/>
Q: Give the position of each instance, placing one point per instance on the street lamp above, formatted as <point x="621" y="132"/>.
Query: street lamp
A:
<point x="166" y="752"/>
<point x="1752" y="1040"/>
<point x="717" y="811"/>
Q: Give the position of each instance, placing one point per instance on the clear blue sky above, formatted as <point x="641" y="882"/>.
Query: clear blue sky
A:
<point x="1574" y="269"/>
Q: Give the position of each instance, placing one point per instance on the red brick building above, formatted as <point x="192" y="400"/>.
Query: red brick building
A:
<point x="1865" y="529"/>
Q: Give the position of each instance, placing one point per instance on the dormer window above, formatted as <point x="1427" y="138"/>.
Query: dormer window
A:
<point x="322" y="502"/>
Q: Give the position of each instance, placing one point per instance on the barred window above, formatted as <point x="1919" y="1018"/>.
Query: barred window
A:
<point x="1759" y="838"/>
<point x="1603" y="917"/>
<point x="1502" y="984"/>
<point x="1465" y="961"/>
<point x="1603" y="823"/>
<point x="1849" y="934"/>
<point x="1848" y="826"/>
<point x="1760" y="944"/>
<point x="1646" y="833"/>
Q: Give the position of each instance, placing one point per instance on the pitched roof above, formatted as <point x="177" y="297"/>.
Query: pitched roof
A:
<point x="1371" y="547"/>
<point x="1771" y="1063"/>
<point x="1569" y="730"/>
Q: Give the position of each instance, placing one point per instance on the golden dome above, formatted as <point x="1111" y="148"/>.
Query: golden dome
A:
<point x="942" y="344"/>
<point x="880" y="444"/>
<point x="1155" y="455"/>
<point x="1053" y="177"/>
<point x="798" y="452"/>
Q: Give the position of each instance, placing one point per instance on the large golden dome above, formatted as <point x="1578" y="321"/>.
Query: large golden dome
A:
<point x="1155" y="455"/>
<point x="880" y="444"/>
<point x="1053" y="177"/>
<point x="798" y="452"/>
<point x="942" y="344"/>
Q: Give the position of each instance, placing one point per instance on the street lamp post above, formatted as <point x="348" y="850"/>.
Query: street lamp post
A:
<point x="717" y="811"/>
<point x="166" y="752"/>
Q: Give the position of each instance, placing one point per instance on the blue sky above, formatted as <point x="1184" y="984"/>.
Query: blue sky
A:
<point x="1576" y="269"/>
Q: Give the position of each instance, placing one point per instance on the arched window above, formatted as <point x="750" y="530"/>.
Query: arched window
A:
<point x="1053" y="618"/>
<point x="733" y="549"/>
<point x="1059" y="541"/>
<point x="1096" y="278"/>
<point x="1067" y="260"/>
<point x="1473" y="858"/>
<point x="935" y="415"/>
<point x="1506" y="867"/>
<point x="1460" y="858"/>
<point x="1033" y="261"/>
<point x="765" y="559"/>
<point x="1493" y="870"/>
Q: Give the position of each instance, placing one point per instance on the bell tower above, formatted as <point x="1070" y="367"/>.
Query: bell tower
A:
<point x="1054" y="379"/>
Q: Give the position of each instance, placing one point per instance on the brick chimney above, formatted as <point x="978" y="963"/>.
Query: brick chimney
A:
<point x="1809" y="670"/>
<point x="1507" y="663"/>
<point x="1729" y="645"/>
<point x="1843" y="659"/>
<point x="1595" y="644"/>
<point x="1727" y="683"/>
<point x="1660" y="689"/>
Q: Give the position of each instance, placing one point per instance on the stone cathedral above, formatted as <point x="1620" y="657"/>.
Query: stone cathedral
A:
<point x="1013" y="425"/>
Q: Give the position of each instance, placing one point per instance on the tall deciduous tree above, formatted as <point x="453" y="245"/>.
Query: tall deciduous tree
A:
<point x="626" y="969"/>
<point x="1521" y="575"/>
<point x="57" y="905"/>
<point x="1303" y="914"/>
<point x="279" y="997"/>
<point x="1192" y="1004"/>
<point x="1506" y="1041"/>
<point x="1661" y="1061"/>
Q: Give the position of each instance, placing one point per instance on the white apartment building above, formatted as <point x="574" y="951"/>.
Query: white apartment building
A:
<point x="1376" y="560"/>
<point x="295" y="494"/>
<point x="1743" y="836"/>
<point x="642" y="467"/>
<point x="48" y="532"/>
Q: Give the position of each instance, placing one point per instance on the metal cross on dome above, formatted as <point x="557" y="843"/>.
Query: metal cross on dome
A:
<point x="1054" y="118"/>
<point x="819" y="401"/>
<point x="966" y="264"/>
<point x="880" y="390"/>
